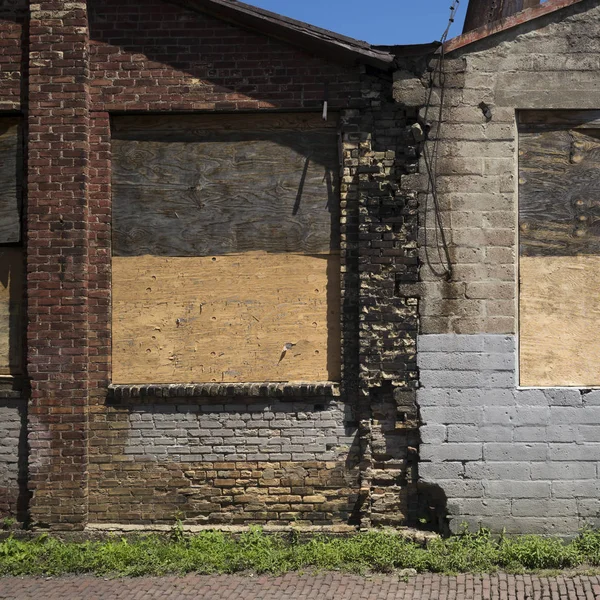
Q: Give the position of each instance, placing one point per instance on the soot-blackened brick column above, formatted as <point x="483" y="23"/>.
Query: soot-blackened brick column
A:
<point x="387" y="227"/>
<point x="57" y="261"/>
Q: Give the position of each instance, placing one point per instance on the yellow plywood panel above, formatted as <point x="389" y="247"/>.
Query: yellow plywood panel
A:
<point x="560" y="321"/>
<point x="11" y="296"/>
<point x="226" y="318"/>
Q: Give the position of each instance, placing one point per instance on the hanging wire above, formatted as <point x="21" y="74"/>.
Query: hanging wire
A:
<point x="443" y="268"/>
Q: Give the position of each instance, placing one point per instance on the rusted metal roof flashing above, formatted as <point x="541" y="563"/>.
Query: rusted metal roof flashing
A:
<point x="515" y="20"/>
<point x="335" y="46"/>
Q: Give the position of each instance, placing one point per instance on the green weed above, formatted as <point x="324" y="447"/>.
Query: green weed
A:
<point x="214" y="552"/>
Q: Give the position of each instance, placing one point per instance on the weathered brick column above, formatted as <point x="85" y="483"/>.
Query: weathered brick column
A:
<point x="57" y="257"/>
<point x="379" y="149"/>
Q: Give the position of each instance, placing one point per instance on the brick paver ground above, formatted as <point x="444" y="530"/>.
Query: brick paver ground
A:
<point x="326" y="586"/>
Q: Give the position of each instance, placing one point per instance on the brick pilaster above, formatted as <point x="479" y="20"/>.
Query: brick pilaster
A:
<point x="57" y="261"/>
<point x="387" y="247"/>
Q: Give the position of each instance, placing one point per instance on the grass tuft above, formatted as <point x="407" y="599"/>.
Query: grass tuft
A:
<point x="215" y="552"/>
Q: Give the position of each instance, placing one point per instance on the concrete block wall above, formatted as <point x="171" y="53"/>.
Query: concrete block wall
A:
<point x="494" y="454"/>
<point x="521" y="459"/>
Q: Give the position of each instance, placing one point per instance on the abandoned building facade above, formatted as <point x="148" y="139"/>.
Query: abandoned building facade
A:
<point x="255" y="272"/>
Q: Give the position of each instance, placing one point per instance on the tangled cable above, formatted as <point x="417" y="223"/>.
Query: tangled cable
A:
<point x="430" y="155"/>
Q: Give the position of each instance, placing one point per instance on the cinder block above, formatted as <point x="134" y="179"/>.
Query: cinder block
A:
<point x="588" y="507"/>
<point x="450" y="361"/>
<point x="432" y="434"/>
<point x="515" y="471"/>
<point x="571" y="415"/>
<point x="562" y="397"/>
<point x="531" y="398"/>
<point x="591" y="399"/>
<point x="515" y="452"/>
<point x="451" y="415"/>
<point x="450" y="452"/>
<point x="500" y="344"/>
<point x="535" y="525"/>
<point x="562" y="433"/>
<point x="486" y="507"/>
<point x="432" y="472"/>
<point x="530" y="434"/>
<point x="467" y="397"/>
<point x="450" y="343"/>
<point x="531" y="415"/>
<point x="500" y="379"/>
<point x="498" y="361"/>
<point x="576" y="488"/>
<point x="455" y="379"/>
<point x="553" y="470"/>
<point x="550" y="508"/>
<point x="461" y="488"/>
<point x="574" y="452"/>
<point x="475" y="433"/>
<point x="517" y="489"/>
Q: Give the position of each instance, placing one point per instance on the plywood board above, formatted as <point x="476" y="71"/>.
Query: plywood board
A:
<point x="559" y="193"/>
<point x="10" y="181"/>
<point x="559" y="230"/>
<point x="11" y="305"/>
<point x="560" y="321"/>
<point x="197" y="187"/>
<point x="226" y="318"/>
<point x="560" y="119"/>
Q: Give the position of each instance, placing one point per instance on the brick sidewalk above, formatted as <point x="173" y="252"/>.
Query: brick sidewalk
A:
<point x="327" y="586"/>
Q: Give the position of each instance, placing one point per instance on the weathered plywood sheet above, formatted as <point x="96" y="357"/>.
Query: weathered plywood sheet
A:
<point x="559" y="193"/>
<point x="560" y="119"/>
<point x="10" y="181"/>
<point x="559" y="225"/>
<point x="226" y="318"/>
<point x="197" y="187"/>
<point x="560" y="321"/>
<point x="11" y="316"/>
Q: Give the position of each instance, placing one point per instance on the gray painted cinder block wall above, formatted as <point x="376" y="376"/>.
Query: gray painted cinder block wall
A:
<point x="521" y="459"/>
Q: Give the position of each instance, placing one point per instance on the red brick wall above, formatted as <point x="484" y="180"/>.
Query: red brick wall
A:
<point x="149" y="56"/>
<point x="57" y="261"/>
<point x="12" y="18"/>
<point x="156" y="56"/>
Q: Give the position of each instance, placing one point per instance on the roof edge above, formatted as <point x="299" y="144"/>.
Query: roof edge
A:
<point x="292" y="31"/>
<point x="524" y="16"/>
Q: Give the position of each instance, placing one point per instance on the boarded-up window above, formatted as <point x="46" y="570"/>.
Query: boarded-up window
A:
<point x="559" y="216"/>
<point x="225" y="249"/>
<point x="11" y="253"/>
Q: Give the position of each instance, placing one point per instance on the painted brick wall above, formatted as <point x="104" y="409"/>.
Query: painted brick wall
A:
<point x="229" y="461"/>
<point x="13" y="456"/>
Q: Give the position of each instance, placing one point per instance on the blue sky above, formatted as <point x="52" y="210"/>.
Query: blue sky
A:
<point x="381" y="22"/>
